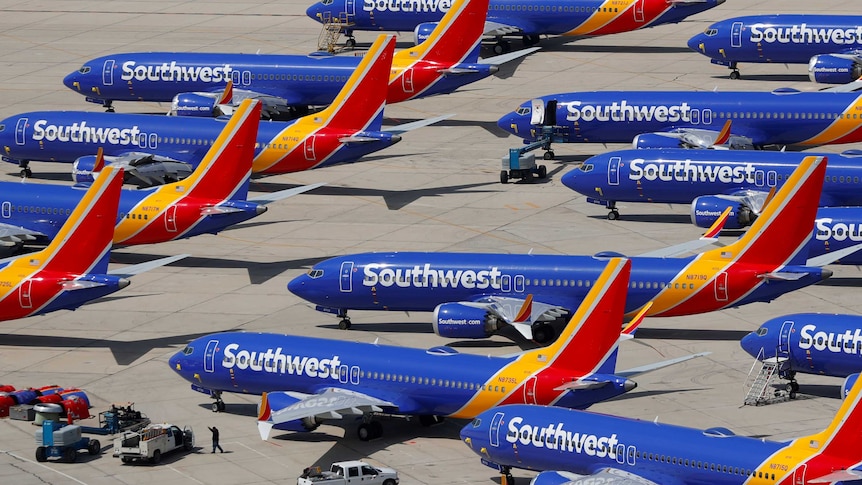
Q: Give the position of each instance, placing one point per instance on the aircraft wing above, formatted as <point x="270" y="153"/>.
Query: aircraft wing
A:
<point x="331" y="403"/>
<point x="832" y="256"/>
<point x="283" y="194"/>
<point x="271" y="106"/>
<point x="139" y="268"/>
<point x="511" y="56"/>
<point x="521" y="313"/>
<point x="636" y="371"/>
<point x="838" y="476"/>
<point x="11" y="235"/>
<point x="709" y="237"/>
<point x="605" y="476"/>
<point x="404" y="127"/>
<point x="690" y="137"/>
<point x="496" y="29"/>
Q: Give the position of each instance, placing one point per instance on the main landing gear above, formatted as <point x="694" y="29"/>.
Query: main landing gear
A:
<point x="734" y="73"/>
<point x="24" y="165"/>
<point x="792" y="389"/>
<point x="369" y="429"/>
<point x="613" y="214"/>
<point x="344" y="324"/>
<point x="218" y="404"/>
<point x="506" y="478"/>
<point x="109" y="106"/>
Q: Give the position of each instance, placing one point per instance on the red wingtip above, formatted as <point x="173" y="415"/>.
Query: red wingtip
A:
<point x="227" y="95"/>
<point x="100" y="161"/>
<point x="724" y="134"/>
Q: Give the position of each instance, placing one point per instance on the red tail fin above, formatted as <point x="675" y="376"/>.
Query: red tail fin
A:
<point x="783" y="228"/>
<point x="84" y="241"/>
<point x="594" y="329"/>
<point x="224" y="171"/>
<point x="455" y="38"/>
<point x="362" y="98"/>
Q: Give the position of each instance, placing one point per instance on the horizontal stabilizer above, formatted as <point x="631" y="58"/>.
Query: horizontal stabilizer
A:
<point x="833" y="256"/>
<point x="658" y="365"/>
<point x="511" y="56"/>
<point x="284" y="194"/>
<point x="134" y="269"/>
<point x="838" y="476"/>
<point x="398" y="129"/>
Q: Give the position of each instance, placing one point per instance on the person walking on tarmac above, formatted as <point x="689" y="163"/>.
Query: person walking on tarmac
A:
<point x="215" y="439"/>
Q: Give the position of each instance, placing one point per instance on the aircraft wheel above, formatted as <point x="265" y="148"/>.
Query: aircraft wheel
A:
<point x="344" y="324"/>
<point x="351" y="43"/>
<point x="613" y="215"/>
<point x="94" y="447"/>
<point x="735" y="75"/>
<point x="549" y="155"/>
<point x="109" y="109"/>
<point x="510" y="480"/>
<point x="543" y="171"/>
<point x="41" y="454"/>
<point x="364" y="432"/>
<point x="501" y="47"/>
<point x="26" y="173"/>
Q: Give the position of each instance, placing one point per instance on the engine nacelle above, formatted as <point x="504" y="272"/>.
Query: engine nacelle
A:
<point x="422" y="31"/>
<point x="830" y="69"/>
<point x="848" y="384"/>
<point x="554" y="478"/>
<point x="281" y="400"/>
<point x="652" y="140"/>
<point x="454" y="320"/>
<point x="194" y="104"/>
<point x="82" y="169"/>
<point x="705" y="211"/>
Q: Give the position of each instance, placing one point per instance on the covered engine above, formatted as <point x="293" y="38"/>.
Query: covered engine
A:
<point x="422" y="31"/>
<point x="653" y="140"/>
<point x="142" y="168"/>
<point x="849" y="381"/>
<point x="706" y="209"/>
<point x="281" y="400"/>
<point x="195" y="104"/>
<point x="455" y="320"/>
<point x="832" y="69"/>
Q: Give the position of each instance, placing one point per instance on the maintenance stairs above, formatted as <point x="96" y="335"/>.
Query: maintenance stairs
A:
<point x="333" y="27"/>
<point x="760" y="389"/>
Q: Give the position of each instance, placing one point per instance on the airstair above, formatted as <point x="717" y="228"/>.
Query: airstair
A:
<point x="333" y="27"/>
<point x="760" y="389"/>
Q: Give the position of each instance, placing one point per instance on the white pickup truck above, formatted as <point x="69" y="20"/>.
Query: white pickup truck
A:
<point x="152" y="442"/>
<point x="349" y="473"/>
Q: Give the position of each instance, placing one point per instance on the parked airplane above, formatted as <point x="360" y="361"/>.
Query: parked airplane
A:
<point x="830" y="44"/>
<point x="326" y="379"/>
<point x="592" y="448"/>
<point x="810" y="343"/>
<point x="195" y="83"/>
<point x="213" y="197"/>
<point x="674" y="119"/>
<point x="509" y="17"/>
<point x="73" y="268"/>
<point x="473" y="295"/>
<point x="709" y="180"/>
<point x="347" y="130"/>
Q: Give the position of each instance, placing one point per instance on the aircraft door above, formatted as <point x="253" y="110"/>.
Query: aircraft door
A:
<point x="407" y="80"/>
<point x="108" y="73"/>
<point x="530" y="390"/>
<point x="7" y="209"/>
<point x="614" y="170"/>
<point x="721" y="287"/>
<point x="799" y="474"/>
<point x="308" y="148"/>
<point x="354" y="375"/>
<point x="771" y="178"/>
<point x="345" y="277"/>
<point x="209" y="356"/>
<point x="519" y="283"/>
<point x="350" y="7"/>
<point x="784" y="338"/>
<point x="24" y="294"/>
<point x="171" y="219"/>
<point x="342" y="374"/>
<point x="506" y="283"/>
<point x="21" y="131"/>
<point x="234" y="76"/>
<point x="639" y="11"/>
<point x="494" y="430"/>
<point x="736" y="34"/>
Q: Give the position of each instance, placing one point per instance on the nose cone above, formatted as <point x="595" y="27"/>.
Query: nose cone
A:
<point x="73" y="82"/>
<point x="752" y="344"/>
<point x="300" y="286"/>
<point x="697" y="43"/>
<point x="579" y="181"/>
<point x="509" y="123"/>
<point x="176" y="362"/>
<point x="316" y="11"/>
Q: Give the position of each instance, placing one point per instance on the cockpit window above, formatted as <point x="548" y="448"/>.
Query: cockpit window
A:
<point x="523" y="110"/>
<point x="84" y="70"/>
<point x="315" y="273"/>
<point x="2" y="127"/>
<point x="188" y="350"/>
<point x="762" y="331"/>
<point x="587" y="167"/>
<point x="326" y="2"/>
<point x="710" y="32"/>
<point x="477" y="422"/>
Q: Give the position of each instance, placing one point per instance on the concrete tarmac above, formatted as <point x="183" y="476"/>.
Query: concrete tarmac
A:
<point x="437" y="190"/>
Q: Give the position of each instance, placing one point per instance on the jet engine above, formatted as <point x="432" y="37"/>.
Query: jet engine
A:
<point x="142" y="168"/>
<point x="833" y="69"/>
<point x="455" y="320"/>
<point x="849" y="381"/>
<point x="422" y="31"/>
<point x="195" y="104"/>
<point x="281" y="400"/>
<point x="705" y="210"/>
<point x="653" y="140"/>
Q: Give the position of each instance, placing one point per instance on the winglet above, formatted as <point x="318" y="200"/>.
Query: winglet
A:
<point x="637" y="320"/>
<point x="227" y="94"/>
<point x="718" y="225"/>
<point x="100" y="160"/>
<point x="264" y="411"/>
<point x="526" y="311"/>
<point x="723" y="135"/>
